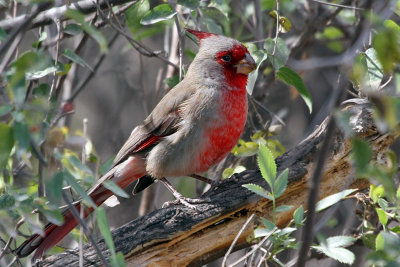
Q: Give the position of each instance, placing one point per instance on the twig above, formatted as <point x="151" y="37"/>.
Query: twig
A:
<point x="236" y="239"/>
<point x="255" y="248"/>
<point x="81" y="214"/>
<point x="267" y="110"/>
<point x="46" y="17"/>
<point x="53" y="82"/>
<point x="136" y="44"/>
<point x="180" y="39"/>
<point x="337" y="5"/>
<point x="25" y="21"/>
<point x="89" y="235"/>
<point x="277" y="27"/>
<point x="308" y="232"/>
<point x="91" y="74"/>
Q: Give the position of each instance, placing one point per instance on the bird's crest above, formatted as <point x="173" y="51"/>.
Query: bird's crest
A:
<point x="200" y="35"/>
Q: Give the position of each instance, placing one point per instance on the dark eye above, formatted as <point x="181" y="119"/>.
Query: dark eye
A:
<point x="226" y="58"/>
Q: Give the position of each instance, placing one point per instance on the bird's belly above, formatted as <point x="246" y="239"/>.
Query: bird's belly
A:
<point x="221" y="134"/>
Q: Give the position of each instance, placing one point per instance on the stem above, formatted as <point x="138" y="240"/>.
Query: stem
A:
<point x="273" y="210"/>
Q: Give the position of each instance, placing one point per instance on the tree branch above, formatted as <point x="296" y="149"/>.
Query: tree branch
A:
<point x="180" y="236"/>
<point x="47" y="17"/>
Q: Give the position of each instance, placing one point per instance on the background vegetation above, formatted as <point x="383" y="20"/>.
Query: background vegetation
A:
<point x="76" y="81"/>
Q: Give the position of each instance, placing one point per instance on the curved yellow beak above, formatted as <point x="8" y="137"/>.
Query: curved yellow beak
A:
<point x="246" y="65"/>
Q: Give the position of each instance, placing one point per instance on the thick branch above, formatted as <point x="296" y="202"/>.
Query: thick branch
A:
<point x="178" y="236"/>
<point x="48" y="16"/>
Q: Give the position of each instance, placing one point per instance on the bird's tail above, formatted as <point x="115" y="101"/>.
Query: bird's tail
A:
<point x="52" y="235"/>
<point x="121" y="175"/>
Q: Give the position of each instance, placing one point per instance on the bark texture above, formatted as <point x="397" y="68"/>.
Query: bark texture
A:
<point x="178" y="236"/>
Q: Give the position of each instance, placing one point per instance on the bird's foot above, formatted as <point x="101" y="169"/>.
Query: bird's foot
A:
<point x="188" y="202"/>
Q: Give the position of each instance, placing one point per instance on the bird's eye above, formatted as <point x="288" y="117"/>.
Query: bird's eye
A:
<point x="226" y="58"/>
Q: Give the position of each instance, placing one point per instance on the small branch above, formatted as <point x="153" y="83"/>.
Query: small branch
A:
<point x="337" y="5"/>
<point x="91" y="74"/>
<point x="307" y="232"/>
<point x="236" y="239"/>
<point x="25" y="21"/>
<point x="85" y="228"/>
<point x="46" y="17"/>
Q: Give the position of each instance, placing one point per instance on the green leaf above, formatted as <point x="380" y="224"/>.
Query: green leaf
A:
<point x="42" y="90"/>
<point x="211" y="25"/>
<point x="362" y="155"/>
<point x="332" y="199"/>
<point x="54" y="188"/>
<point x="379" y="242"/>
<point x="118" y="260"/>
<point x="281" y="183"/>
<point x="340" y="254"/>
<point x="387" y="49"/>
<point x="68" y="53"/>
<point x="73" y="29"/>
<point x="191" y="4"/>
<point x="383" y="219"/>
<point x="257" y="189"/>
<point x="259" y="56"/>
<point x="332" y="33"/>
<point x="267" y="165"/>
<point x="172" y="81"/>
<point x="5" y="109"/>
<point x="376" y="192"/>
<point x="106" y="166"/>
<point x="3" y="34"/>
<point x="268" y="224"/>
<point x="135" y="13"/>
<point x="298" y="215"/>
<point x="287" y="231"/>
<point x="398" y="192"/>
<point x="6" y="201"/>
<point x="340" y="241"/>
<point x="279" y="59"/>
<point x="159" y="13"/>
<point x="78" y="188"/>
<point x="369" y="240"/>
<point x="285" y="23"/>
<point x="261" y="232"/>
<point x="395" y="229"/>
<point x="113" y="187"/>
<point x="79" y="165"/>
<point x="284" y="208"/>
<point x="22" y="137"/>
<point x="52" y="215"/>
<point x="228" y="172"/>
<point x="105" y="229"/>
<point x="42" y="37"/>
<point x="40" y="73"/>
<point x="6" y="144"/>
<point x="290" y="77"/>
<point x="374" y="73"/>
<point x="89" y="29"/>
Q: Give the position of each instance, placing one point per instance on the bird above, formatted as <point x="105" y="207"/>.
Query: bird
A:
<point x="193" y="127"/>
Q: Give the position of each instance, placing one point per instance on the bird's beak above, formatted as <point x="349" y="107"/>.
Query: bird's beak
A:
<point x="246" y="65"/>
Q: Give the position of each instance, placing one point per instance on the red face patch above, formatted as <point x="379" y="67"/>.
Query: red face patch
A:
<point x="229" y="59"/>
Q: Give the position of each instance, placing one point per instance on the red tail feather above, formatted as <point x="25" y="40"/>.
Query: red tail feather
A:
<point x="124" y="174"/>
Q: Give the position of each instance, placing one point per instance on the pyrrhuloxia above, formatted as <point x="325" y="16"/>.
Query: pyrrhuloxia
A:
<point x="191" y="129"/>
